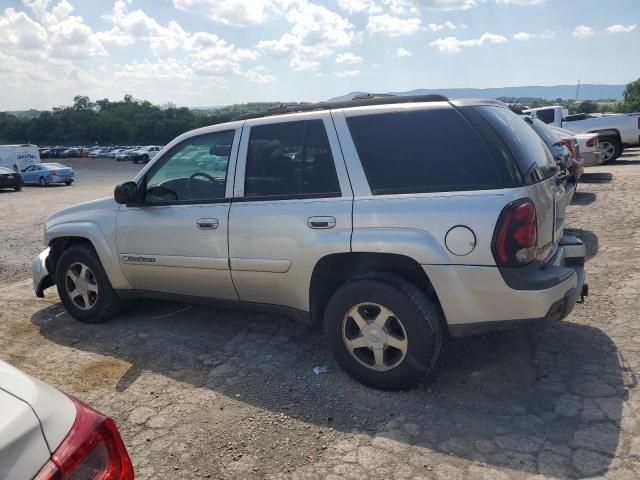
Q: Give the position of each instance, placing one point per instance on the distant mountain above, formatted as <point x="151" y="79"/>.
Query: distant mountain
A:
<point x="587" y="92"/>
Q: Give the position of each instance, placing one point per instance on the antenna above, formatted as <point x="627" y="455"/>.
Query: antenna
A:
<point x="578" y="90"/>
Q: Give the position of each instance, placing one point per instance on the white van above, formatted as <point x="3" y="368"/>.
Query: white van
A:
<point x="18" y="157"/>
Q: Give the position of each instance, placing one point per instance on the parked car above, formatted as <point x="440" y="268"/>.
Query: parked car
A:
<point x="588" y="144"/>
<point x="45" y="174"/>
<point x="559" y="150"/>
<point x="568" y="138"/>
<point x="10" y="179"/>
<point x="390" y="221"/>
<point x="144" y="154"/>
<point x="126" y="154"/>
<point x="616" y="131"/>
<point x="47" y="435"/>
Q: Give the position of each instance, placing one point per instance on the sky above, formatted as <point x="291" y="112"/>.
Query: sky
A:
<point x="200" y="53"/>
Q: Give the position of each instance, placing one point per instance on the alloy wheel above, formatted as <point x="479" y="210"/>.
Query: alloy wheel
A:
<point x="81" y="286"/>
<point x="375" y="336"/>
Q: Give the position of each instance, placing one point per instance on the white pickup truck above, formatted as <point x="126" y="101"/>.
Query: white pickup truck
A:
<point x="616" y="131"/>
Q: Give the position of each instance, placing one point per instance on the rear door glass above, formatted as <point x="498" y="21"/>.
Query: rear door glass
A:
<point x="532" y="155"/>
<point x="419" y="151"/>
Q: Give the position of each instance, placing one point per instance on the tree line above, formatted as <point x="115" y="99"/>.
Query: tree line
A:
<point x="105" y="122"/>
<point x="131" y="121"/>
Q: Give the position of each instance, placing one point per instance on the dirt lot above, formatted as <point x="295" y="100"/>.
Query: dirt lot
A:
<point x="202" y="393"/>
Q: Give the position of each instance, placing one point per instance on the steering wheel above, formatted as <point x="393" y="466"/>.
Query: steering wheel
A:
<point x="199" y="174"/>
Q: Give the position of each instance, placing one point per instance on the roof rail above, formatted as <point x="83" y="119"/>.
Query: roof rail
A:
<point x="357" y="101"/>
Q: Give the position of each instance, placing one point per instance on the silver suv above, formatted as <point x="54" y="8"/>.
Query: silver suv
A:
<point x="392" y="222"/>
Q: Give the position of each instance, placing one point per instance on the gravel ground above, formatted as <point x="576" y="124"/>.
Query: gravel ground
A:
<point x="211" y="393"/>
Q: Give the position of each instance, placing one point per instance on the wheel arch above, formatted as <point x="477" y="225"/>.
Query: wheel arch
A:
<point x="62" y="237"/>
<point x="333" y="270"/>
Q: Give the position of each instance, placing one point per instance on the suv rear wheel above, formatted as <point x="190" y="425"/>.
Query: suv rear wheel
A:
<point x="83" y="286"/>
<point x="383" y="331"/>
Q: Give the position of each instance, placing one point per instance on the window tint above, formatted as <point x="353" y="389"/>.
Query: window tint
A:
<point x="195" y="169"/>
<point x="290" y="159"/>
<point x="531" y="154"/>
<point x="422" y="151"/>
<point x="548" y="136"/>
<point x="545" y="115"/>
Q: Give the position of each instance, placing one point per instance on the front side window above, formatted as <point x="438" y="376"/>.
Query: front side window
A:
<point x="290" y="159"/>
<point x="546" y="115"/>
<point x="194" y="170"/>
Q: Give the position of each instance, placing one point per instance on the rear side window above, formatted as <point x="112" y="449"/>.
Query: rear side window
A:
<point x="422" y="151"/>
<point x="531" y="154"/>
<point x="290" y="159"/>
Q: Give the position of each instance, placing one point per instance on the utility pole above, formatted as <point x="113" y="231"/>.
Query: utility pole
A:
<point x="578" y="90"/>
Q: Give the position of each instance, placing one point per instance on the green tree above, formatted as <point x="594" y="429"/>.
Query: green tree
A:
<point x="631" y="101"/>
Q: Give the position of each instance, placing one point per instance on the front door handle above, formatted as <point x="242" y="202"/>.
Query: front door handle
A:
<point x="321" y="222"/>
<point x="207" y="223"/>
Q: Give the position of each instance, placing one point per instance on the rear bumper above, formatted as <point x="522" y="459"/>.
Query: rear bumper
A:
<point x="591" y="159"/>
<point x="41" y="278"/>
<point x="61" y="179"/>
<point x="478" y="299"/>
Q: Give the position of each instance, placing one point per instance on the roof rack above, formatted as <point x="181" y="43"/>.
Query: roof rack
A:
<point x="361" y="100"/>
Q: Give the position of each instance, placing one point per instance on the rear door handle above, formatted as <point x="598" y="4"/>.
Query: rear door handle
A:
<point x="321" y="222"/>
<point x="207" y="223"/>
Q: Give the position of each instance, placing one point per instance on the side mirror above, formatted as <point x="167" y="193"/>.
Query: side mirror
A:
<point x="126" y="192"/>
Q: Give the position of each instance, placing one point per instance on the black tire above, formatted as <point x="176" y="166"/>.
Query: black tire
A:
<point x="43" y="182"/>
<point x="68" y="183"/>
<point x="145" y="158"/>
<point x="613" y="145"/>
<point x="106" y="302"/>
<point x="17" y="188"/>
<point x="420" y="318"/>
<point x="135" y="160"/>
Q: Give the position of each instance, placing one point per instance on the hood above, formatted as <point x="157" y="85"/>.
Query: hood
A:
<point x="55" y="411"/>
<point x="85" y="208"/>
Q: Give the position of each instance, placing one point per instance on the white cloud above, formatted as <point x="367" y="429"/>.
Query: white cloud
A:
<point x="159" y="70"/>
<point x="547" y="34"/>
<point x="229" y="12"/>
<point x="257" y="77"/>
<point x="436" y="27"/>
<point x="524" y="36"/>
<point x="521" y="2"/>
<point x="359" y="6"/>
<point x="392" y="26"/>
<point x="454" y="45"/>
<point x="582" y="31"/>
<point x="621" y="28"/>
<point x="316" y="33"/>
<point x="447" y="4"/>
<point x="347" y="73"/>
<point x="348" y="58"/>
<point x="301" y="65"/>
<point x="403" y="52"/>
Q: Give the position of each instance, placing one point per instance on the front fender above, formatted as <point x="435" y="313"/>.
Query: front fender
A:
<point x="104" y="246"/>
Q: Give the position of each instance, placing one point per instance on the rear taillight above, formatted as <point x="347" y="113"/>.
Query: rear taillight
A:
<point x="516" y="234"/>
<point x="569" y="144"/>
<point x="592" y="142"/>
<point x="92" y="450"/>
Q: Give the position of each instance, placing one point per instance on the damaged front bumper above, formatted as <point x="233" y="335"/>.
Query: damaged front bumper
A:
<point x="41" y="277"/>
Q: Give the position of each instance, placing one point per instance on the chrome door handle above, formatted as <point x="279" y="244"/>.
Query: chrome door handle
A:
<point x="207" y="223"/>
<point x="321" y="222"/>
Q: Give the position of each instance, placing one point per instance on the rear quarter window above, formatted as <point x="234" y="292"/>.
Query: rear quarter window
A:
<point x="421" y="151"/>
<point x="531" y="154"/>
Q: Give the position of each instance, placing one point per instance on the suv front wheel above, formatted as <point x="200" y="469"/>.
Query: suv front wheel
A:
<point x="383" y="331"/>
<point x="83" y="286"/>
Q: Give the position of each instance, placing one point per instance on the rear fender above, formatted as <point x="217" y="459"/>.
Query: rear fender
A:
<point x="416" y="244"/>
